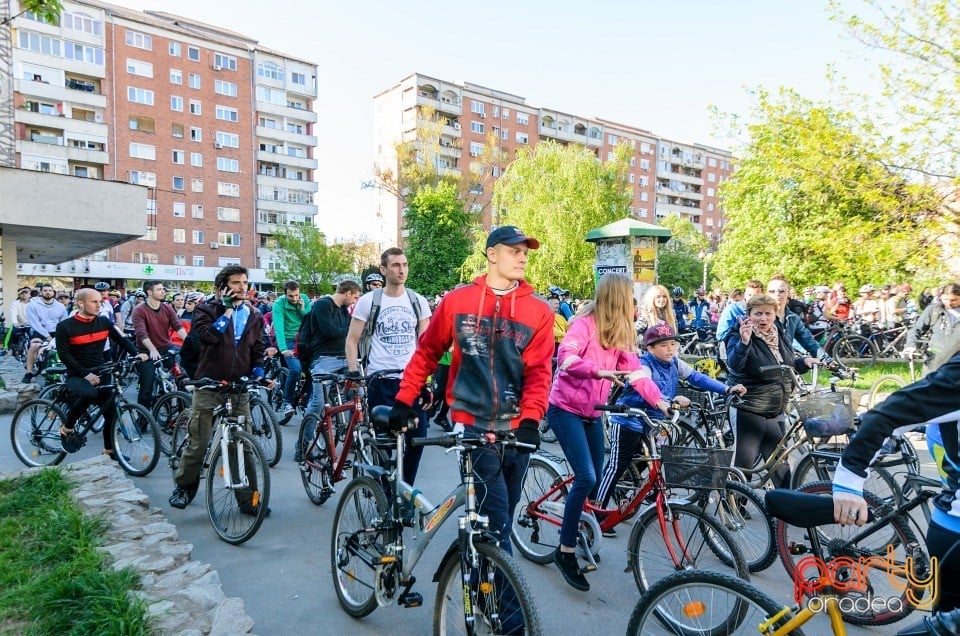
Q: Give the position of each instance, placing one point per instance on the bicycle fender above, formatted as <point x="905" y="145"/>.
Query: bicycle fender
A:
<point x="373" y="471"/>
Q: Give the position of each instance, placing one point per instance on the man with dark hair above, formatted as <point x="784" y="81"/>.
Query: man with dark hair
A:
<point x="153" y="322"/>
<point x="323" y="335"/>
<point x="231" y="336"/>
<point x="288" y="312"/>
<point x="43" y="314"/>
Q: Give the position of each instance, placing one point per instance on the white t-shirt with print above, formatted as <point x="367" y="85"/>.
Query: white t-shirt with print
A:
<point x="395" y="334"/>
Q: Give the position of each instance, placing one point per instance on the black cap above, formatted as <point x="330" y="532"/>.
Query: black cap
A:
<point x="511" y="235"/>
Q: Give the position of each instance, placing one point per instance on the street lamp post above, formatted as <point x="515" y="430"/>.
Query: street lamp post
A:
<point x="703" y="257"/>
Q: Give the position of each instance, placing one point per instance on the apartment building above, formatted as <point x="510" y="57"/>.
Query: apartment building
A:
<point x="665" y="176"/>
<point x="216" y="126"/>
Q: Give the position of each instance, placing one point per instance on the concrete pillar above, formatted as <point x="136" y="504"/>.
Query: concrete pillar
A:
<point x="8" y="270"/>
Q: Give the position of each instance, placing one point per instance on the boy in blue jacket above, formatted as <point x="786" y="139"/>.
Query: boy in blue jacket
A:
<point x="626" y="433"/>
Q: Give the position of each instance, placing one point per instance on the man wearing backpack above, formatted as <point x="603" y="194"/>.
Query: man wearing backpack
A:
<point x="396" y="317"/>
<point x="323" y="335"/>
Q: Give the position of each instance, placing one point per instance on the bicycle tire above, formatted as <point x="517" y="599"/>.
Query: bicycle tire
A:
<point x="537" y="538"/>
<point x="232" y="524"/>
<point x="509" y="609"/>
<point x="179" y="438"/>
<point x="136" y="440"/>
<point x="275" y="395"/>
<point x="35" y="433"/>
<point x="880" y="482"/>
<point x="676" y="605"/>
<point x="861" y="351"/>
<point x="355" y="541"/>
<point x="315" y="468"/>
<point x="882" y="387"/>
<point x="741" y="511"/>
<point x="718" y="550"/>
<point x="51" y="391"/>
<point x="166" y="409"/>
<point x="265" y="428"/>
<point x="833" y="540"/>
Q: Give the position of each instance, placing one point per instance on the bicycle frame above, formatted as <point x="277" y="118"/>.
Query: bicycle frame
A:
<point x="803" y="616"/>
<point x="327" y="430"/>
<point x="222" y="437"/>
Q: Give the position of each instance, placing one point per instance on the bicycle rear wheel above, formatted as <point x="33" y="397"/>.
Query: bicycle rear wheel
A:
<point x="237" y="510"/>
<point x="703" y="603"/>
<point x="741" y="511"/>
<point x="533" y="535"/>
<point x="315" y="465"/>
<point x="494" y="596"/>
<point x="837" y="543"/>
<point x="357" y="543"/>
<point x="179" y="438"/>
<point x="812" y="469"/>
<point x="35" y="433"/>
<point x="266" y="430"/>
<point x="856" y="350"/>
<point x="882" y="387"/>
<point x="166" y="409"/>
<point x="693" y="540"/>
<point x="136" y="440"/>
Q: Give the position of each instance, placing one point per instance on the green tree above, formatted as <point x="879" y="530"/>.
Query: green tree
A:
<point x="437" y="243"/>
<point x="679" y="261"/>
<point x="558" y="193"/>
<point x="306" y="257"/>
<point x="817" y="201"/>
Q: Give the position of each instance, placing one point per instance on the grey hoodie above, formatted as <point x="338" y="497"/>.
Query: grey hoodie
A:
<point x="43" y="318"/>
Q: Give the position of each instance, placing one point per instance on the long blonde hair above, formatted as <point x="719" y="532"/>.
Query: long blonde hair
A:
<point x="612" y="308"/>
<point x="651" y="314"/>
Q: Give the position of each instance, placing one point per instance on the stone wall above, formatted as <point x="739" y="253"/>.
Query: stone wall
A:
<point x="184" y="597"/>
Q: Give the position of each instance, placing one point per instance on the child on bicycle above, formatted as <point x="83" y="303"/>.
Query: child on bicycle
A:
<point x="667" y="369"/>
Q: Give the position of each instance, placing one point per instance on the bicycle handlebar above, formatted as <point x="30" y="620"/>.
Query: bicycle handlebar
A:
<point x="452" y="440"/>
<point x="232" y="386"/>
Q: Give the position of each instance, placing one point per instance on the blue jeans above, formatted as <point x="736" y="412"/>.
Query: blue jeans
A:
<point x="581" y="439"/>
<point x="293" y="365"/>
<point x="323" y="364"/>
<point x="384" y="391"/>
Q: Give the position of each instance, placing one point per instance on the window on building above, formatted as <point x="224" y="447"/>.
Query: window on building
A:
<point x="228" y="165"/>
<point x="140" y="95"/>
<point x="146" y="257"/>
<point x="41" y="43"/>
<point x="143" y="124"/>
<point x="273" y="124"/>
<point x="138" y="177"/>
<point x="225" y="88"/>
<point x="179" y="259"/>
<point x="178" y="156"/>
<point x="143" y="151"/>
<point x="228" y="140"/>
<point x="711" y="192"/>
<point x="295" y="127"/>
<point x="644" y="212"/>
<point x="196" y="159"/>
<point x="523" y="118"/>
<point x="81" y="22"/>
<point x="228" y="238"/>
<point x="228" y="214"/>
<point x="476" y="107"/>
<point x="645" y="148"/>
<point x="176" y="103"/>
<point x="631" y="178"/>
<point x="274" y="96"/>
<point x="136" y="67"/>
<point x="175" y="49"/>
<point x="198" y="260"/>
<point x="269" y="70"/>
<point x="522" y="138"/>
<point x="227" y="114"/>
<point x="179" y="209"/>
<point x="178" y="183"/>
<point x="228" y="189"/>
<point x="712" y="162"/>
<point x="176" y="76"/>
<point x="711" y="177"/>
<point x="644" y="195"/>
<point x="194" y="81"/>
<point x="709" y="207"/>
<point x="196" y="185"/>
<point x="709" y="221"/>
<point x="298" y="78"/>
<point x="476" y="149"/>
<point x="197" y="211"/>
<point x="476" y="127"/>
<point x="139" y="40"/>
<point x="612" y="140"/>
<point x="644" y="164"/>
<point x="644" y="181"/>
<point x="225" y="62"/>
<point x="193" y="53"/>
<point x="196" y="134"/>
<point x="151" y="235"/>
<point x="198" y="237"/>
<point x="179" y="235"/>
<point x="195" y="107"/>
<point x="176" y="130"/>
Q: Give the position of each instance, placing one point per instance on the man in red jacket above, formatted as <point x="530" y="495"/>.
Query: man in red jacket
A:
<point x="502" y="337"/>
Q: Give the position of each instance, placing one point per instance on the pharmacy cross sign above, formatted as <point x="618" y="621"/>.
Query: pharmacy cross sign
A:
<point x="148" y="269"/>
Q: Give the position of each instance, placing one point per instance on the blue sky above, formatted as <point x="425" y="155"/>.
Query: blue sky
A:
<point x="655" y="65"/>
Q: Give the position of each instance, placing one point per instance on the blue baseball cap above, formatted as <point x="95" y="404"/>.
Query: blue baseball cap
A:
<point x="511" y="235"/>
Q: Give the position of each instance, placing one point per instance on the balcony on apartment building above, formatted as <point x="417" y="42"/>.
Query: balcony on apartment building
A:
<point x="278" y="156"/>
<point x="269" y="199"/>
<point x="680" y="190"/>
<point x="272" y="174"/>
<point x="567" y="131"/>
<point x="54" y="144"/>
<point x="83" y="92"/>
<point x="448" y="148"/>
<point x="685" y="175"/>
<point x="688" y="159"/>
<point x="287" y="110"/>
<point x="287" y="136"/>
<point x="46" y="115"/>
<point x="446" y="101"/>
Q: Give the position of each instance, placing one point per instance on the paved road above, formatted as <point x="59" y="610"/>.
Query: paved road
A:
<point x="283" y="573"/>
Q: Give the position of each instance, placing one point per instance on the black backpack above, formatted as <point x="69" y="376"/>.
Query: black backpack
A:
<point x="190" y="353"/>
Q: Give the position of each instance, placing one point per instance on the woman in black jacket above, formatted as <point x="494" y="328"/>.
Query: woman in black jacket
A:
<point x="756" y="353"/>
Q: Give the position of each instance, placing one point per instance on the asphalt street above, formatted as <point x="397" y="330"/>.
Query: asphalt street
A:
<point x="283" y="573"/>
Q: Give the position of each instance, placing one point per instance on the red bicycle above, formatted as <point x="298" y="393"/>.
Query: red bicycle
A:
<point x="324" y="446"/>
<point x="668" y="536"/>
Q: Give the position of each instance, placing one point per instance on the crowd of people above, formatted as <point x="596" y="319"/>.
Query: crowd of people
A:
<point x="501" y="359"/>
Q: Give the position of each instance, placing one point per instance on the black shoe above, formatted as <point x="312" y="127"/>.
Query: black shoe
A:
<point x="940" y="624"/>
<point x="443" y="423"/>
<point x="253" y="511"/>
<point x="70" y="440"/>
<point x="27" y="378"/>
<point x="567" y="562"/>
<point x="610" y="533"/>
<point x="180" y="499"/>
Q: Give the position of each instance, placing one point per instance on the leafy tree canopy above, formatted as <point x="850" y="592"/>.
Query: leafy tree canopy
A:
<point x="305" y="256"/>
<point x="679" y="261"/>
<point x="437" y="243"/>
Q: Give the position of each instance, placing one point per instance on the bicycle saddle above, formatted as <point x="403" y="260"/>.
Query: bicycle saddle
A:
<point x="55" y="370"/>
<point x="801" y="509"/>
<point x="941" y="624"/>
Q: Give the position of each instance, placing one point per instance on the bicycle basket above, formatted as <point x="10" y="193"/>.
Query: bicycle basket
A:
<point x="697" y="397"/>
<point x="701" y="468"/>
<point x="825" y="413"/>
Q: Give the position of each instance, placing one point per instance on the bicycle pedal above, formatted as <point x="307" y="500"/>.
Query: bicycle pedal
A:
<point x="410" y="599"/>
<point x="590" y="567"/>
<point x="347" y="464"/>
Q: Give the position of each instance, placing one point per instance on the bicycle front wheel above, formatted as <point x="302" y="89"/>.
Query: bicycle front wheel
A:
<point x="882" y="387"/>
<point x="136" y="440"/>
<point x="536" y="529"/>
<point x="741" y="511"/>
<point x="166" y="410"/>
<point x="855" y="350"/>
<point x="314" y="460"/>
<point x="693" y="540"/>
<point x="266" y="430"/>
<point x="493" y="596"/>
<point x="237" y="509"/>
<point x="703" y="603"/>
<point x="357" y="543"/>
<point x="35" y="433"/>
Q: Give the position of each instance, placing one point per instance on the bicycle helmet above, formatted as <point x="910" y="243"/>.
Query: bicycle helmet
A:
<point x="373" y="278"/>
<point x="193" y="297"/>
<point x="555" y="290"/>
<point x="866" y="289"/>
<point x="677" y="292"/>
<point x="102" y="286"/>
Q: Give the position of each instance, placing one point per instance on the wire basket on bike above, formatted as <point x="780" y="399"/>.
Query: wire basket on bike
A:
<point x="691" y="467"/>
<point x="697" y="397"/>
<point x="825" y="413"/>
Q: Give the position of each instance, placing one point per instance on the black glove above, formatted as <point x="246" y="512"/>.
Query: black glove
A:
<point x="353" y="376"/>
<point x="401" y="417"/>
<point x="528" y="433"/>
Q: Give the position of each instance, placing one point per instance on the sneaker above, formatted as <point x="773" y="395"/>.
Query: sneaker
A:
<point x="610" y="533"/>
<point x="443" y="423"/>
<point x="286" y="413"/>
<point x="567" y="562"/>
<point x="180" y="499"/>
<point x="253" y="511"/>
<point x="70" y="440"/>
<point x="27" y="378"/>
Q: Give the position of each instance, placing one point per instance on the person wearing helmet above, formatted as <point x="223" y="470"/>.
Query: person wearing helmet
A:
<point x="700" y="309"/>
<point x="566" y="309"/>
<point x="679" y="308"/>
<point x="126" y="311"/>
<point x="866" y="307"/>
<point x="373" y="281"/>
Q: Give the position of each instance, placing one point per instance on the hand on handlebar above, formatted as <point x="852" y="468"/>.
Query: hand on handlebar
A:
<point x="681" y="402"/>
<point x="528" y="433"/>
<point x="737" y="389"/>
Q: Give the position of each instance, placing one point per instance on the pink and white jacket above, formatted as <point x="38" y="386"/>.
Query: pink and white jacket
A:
<point x="576" y="387"/>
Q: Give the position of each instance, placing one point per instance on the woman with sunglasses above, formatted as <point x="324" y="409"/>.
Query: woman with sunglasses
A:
<point x="792" y="324"/>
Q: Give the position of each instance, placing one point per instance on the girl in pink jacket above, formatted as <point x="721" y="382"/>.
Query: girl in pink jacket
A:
<point x="596" y="351"/>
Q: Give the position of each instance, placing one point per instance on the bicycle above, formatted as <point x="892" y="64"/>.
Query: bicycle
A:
<point x="35" y="429"/>
<point x="480" y="587"/>
<point x="234" y="467"/>
<point x="324" y="459"/>
<point x="883" y="386"/>
<point x="279" y="374"/>
<point x="685" y="535"/>
<point x="265" y="427"/>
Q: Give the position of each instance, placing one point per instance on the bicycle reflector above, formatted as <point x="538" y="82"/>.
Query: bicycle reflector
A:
<point x="693" y="609"/>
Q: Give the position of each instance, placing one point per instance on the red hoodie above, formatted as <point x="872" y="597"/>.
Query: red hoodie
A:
<point x="502" y="349"/>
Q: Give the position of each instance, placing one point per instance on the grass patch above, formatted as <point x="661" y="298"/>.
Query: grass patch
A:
<point x="53" y="580"/>
<point x="866" y="376"/>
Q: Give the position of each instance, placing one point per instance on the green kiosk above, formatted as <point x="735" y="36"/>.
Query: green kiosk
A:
<point x="629" y="247"/>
